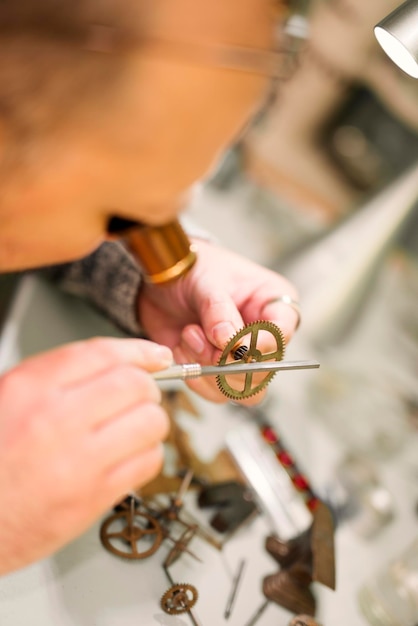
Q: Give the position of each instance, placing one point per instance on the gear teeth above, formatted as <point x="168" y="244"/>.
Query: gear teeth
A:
<point x="249" y="329"/>
<point x="171" y="592"/>
<point x="105" y="536"/>
<point x="239" y="395"/>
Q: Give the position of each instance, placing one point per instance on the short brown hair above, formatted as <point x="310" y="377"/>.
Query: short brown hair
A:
<point x="54" y="55"/>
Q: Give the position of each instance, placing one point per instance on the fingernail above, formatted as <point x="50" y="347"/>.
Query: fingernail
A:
<point x="194" y="340"/>
<point x="164" y="355"/>
<point x="222" y="333"/>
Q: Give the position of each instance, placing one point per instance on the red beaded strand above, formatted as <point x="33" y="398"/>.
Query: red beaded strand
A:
<point x="286" y="460"/>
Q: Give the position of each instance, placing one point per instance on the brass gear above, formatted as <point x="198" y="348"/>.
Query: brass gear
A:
<point x="179" y="599"/>
<point x="234" y="352"/>
<point x="134" y="529"/>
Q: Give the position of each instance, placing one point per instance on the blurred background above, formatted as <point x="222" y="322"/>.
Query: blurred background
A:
<point x="323" y="187"/>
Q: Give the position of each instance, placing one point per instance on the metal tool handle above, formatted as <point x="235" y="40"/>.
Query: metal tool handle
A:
<point x="179" y="372"/>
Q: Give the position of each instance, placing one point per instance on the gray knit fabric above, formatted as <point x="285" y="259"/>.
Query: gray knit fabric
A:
<point x="109" y="278"/>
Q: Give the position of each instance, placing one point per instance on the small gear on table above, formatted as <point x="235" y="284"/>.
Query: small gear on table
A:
<point x="244" y="347"/>
<point x="180" y="598"/>
<point x="123" y="532"/>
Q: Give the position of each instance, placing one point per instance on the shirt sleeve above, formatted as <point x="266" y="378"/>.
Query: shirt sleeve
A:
<point x="109" y="279"/>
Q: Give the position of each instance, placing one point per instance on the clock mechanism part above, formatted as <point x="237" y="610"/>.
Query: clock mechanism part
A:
<point x="247" y="347"/>
<point x="136" y="531"/>
<point x="233" y="593"/>
<point x="128" y="533"/>
<point x="254" y="353"/>
<point x="130" y="541"/>
<point x="131" y="534"/>
<point x="179" y="598"/>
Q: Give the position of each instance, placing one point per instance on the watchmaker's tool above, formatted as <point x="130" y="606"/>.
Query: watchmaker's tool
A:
<point x="254" y="619"/>
<point x="195" y="370"/>
<point x="164" y="252"/>
<point x="234" y="589"/>
<point x="262" y="355"/>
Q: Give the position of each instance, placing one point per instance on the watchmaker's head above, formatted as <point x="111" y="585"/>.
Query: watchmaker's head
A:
<point x="114" y="107"/>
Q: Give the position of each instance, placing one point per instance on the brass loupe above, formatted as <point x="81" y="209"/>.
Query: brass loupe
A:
<point x="163" y="252"/>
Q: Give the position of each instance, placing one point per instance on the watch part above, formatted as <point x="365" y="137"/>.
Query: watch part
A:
<point x="131" y="535"/>
<point x="259" y="341"/>
<point x="180" y="598"/>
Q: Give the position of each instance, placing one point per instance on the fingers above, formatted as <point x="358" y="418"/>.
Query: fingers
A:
<point x="219" y="315"/>
<point x="265" y="305"/>
<point x="204" y="386"/>
<point x="109" y="393"/>
<point x="134" y="472"/>
<point x="134" y="432"/>
<point x="70" y="364"/>
<point x="286" y="317"/>
<point x="194" y="342"/>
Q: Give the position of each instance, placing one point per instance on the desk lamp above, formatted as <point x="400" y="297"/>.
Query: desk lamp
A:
<point x="398" y="36"/>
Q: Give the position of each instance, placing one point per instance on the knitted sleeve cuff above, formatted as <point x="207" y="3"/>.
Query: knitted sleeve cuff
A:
<point x="109" y="278"/>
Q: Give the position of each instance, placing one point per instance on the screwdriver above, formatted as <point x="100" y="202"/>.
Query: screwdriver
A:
<point x="195" y="370"/>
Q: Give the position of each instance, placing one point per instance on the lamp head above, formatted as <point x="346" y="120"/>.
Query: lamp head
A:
<point x="398" y="36"/>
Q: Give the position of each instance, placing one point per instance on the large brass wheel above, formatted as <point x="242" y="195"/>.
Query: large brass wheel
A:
<point x="131" y="535"/>
<point x="257" y="342"/>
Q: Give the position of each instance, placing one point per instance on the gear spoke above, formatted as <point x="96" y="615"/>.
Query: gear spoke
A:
<point x="252" y="354"/>
<point x="253" y="342"/>
<point x="148" y="531"/>
<point x="120" y="535"/>
<point x="270" y="356"/>
<point x="179" y="599"/>
<point x="248" y="382"/>
<point x="131" y="534"/>
<point x="134" y="547"/>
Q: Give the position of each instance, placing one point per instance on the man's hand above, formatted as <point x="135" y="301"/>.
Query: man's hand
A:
<point x="79" y="427"/>
<point x="198" y="314"/>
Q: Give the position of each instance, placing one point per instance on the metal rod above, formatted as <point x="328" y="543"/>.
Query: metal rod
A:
<point x="185" y="484"/>
<point x="189" y="612"/>
<point x="234" y="589"/>
<point x="258" y="614"/>
<point x="195" y="370"/>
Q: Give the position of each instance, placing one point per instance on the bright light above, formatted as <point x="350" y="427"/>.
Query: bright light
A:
<point x="397" y="51"/>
